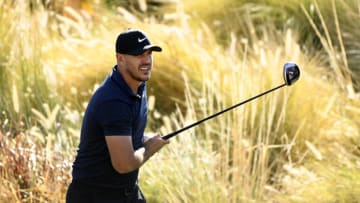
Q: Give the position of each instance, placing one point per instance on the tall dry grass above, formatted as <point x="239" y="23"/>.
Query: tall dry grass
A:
<point x="322" y="26"/>
<point x="298" y="144"/>
<point x="21" y="71"/>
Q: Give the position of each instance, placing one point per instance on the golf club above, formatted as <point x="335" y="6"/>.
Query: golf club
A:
<point x="291" y="74"/>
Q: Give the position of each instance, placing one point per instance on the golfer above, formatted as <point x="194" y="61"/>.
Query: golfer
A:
<point x="112" y="143"/>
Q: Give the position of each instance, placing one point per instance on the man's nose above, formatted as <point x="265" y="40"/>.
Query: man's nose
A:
<point x="146" y="58"/>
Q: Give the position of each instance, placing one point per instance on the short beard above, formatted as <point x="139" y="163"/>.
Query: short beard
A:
<point x="133" y="76"/>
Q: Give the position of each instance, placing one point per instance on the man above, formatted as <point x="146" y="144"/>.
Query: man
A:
<point x="112" y="144"/>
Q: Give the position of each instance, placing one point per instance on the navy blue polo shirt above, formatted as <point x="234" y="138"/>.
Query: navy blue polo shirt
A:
<point x="113" y="110"/>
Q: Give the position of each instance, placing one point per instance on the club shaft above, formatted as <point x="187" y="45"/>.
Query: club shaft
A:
<point x="168" y="136"/>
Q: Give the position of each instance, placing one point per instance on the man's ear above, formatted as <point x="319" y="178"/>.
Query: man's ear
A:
<point x="119" y="57"/>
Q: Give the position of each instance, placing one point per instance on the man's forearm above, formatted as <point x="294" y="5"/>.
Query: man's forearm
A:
<point x="151" y="146"/>
<point x="140" y="156"/>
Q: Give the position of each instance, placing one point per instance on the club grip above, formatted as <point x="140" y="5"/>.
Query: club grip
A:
<point x="168" y="136"/>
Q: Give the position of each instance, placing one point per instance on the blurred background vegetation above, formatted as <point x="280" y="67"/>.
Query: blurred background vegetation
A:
<point x="299" y="144"/>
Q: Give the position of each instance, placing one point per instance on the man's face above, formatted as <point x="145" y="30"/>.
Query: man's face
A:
<point x="137" y="68"/>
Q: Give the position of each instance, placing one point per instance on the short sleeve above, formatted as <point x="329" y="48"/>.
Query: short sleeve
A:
<point x="115" y="118"/>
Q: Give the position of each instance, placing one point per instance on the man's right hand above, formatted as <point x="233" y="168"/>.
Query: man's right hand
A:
<point x="154" y="144"/>
<point x="123" y="156"/>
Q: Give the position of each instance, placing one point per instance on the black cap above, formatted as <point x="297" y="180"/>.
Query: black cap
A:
<point x="134" y="42"/>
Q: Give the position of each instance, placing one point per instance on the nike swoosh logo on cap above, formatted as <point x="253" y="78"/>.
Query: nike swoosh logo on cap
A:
<point x="141" y="40"/>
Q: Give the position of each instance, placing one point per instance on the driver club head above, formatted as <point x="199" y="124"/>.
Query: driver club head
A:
<point x="291" y="73"/>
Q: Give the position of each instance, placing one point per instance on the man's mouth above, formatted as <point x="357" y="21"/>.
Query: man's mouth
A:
<point x="144" y="68"/>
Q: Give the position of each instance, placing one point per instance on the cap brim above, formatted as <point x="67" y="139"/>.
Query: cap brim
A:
<point x="145" y="48"/>
<point x="152" y="48"/>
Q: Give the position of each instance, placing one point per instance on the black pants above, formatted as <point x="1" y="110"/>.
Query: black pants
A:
<point x="82" y="193"/>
